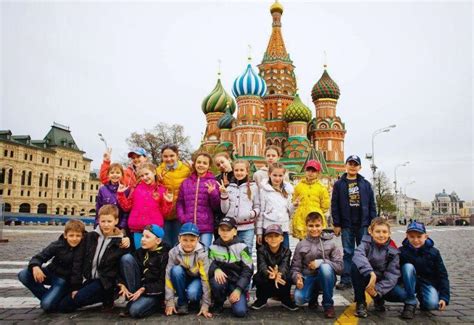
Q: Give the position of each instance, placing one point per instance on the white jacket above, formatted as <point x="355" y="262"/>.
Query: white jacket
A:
<point x="236" y="204"/>
<point x="275" y="208"/>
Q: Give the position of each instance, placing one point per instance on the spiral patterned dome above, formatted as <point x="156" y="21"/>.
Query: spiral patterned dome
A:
<point x="325" y="88"/>
<point x="297" y="111"/>
<point x="249" y="84"/>
<point x="225" y="122"/>
<point x="217" y="100"/>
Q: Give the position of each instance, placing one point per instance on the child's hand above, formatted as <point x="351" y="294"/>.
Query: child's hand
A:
<point x="108" y="154"/>
<point x="337" y="231"/>
<point x="279" y="280"/>
<point x="125" y="242"/>
<point x="259" y="239"/>
<point x="371" y="291"/>
<point x="122" y="188"/>
<point x="168" y="195"/>
<point x="170" y="311"/>
<point x="272" y="273"/>
<point x="299" y="282"/>
<point x="205" y="313"/>
<point x="225" y="179"/>
<point x="372" y="281"/>
<point x="234" y="296"/>
<point x="159" y="178"/>
<point x="313" y="265"/>
<point x="211" y="187"/>
<point x="222" y="187"/>
<point x="442" y="305"/>
<point x="123" y="291"/>
<point x="73" y="294"/>
<point x="220" y="276"/>
<point x="296" y="202"/>
<point x="137" y="294"/>
<point x="38" y="274"/>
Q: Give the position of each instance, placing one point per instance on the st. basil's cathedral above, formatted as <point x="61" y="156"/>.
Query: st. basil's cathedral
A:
<point x="270" y="112"/>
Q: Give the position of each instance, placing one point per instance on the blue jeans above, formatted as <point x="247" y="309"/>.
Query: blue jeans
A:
<point x="350" y="240"/>
<point x="247" y="237"/>
<point x="187" y="288"/>
<point x="324" y="280"/>
<point x="426" y="293"/>
<point x="206" y="239"/>
<point x="49" y="297"/>
<point x="360" y="282"/>
<point x="171" y="229"/>
<point x="91" y="292"/>
<point x="145" y="305"/>
<point x="220" y="292"/>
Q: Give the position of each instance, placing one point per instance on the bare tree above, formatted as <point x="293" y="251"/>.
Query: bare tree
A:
<point x="162" y="134"/>
<point x="383" y="195"/>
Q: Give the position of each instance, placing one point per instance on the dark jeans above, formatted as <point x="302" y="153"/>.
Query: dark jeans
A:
<point x="360" y="282"/>
<point x="324" y="280"/>
<point x="266" y="289"/>
<point x="92" y="292"/>
<point x="171" y="229"/>
<point x="351" y="238"/>
<point x="49" y="297"/>
<point x="220" y="292"/>
<point x="145" y="305"/>
<point x="187" y="288"/>
<point x="426" y="293"/>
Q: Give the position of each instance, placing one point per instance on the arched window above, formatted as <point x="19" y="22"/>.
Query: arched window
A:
<point x="73" y="211"/>
<point x="42" y="208"/>
<point x="83" y="212"/>
<point x="65" y="211"/>
<point x="57" y="210"/>
<point x="46" y="180"/>
<point x="92" y="212"/>
<point x="25" y="208"/>
<point x="2" y="176"/>
<point x="29" y="178"/>
<point x="23" y="177"/>
<point x="41" y="180"/>
<point x="10" y="176"/>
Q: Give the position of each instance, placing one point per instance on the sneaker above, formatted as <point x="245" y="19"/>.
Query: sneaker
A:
<point x="379" y="305"/>
<point x="290" y="305"/>
<point x="217" y="308"/>
<point x="313" y="304"/>
<point x="361" y="310"/>
<point x="182" y="310"/>
<point x="330" y="312"/>
<point x="258" y="304"/>
<point x="408" y="311"/>
<point x="343" y="286"/>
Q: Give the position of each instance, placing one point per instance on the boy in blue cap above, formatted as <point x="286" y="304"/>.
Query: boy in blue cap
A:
<point x="423" y="272"/>
<point x="143" y="274"/>
<point x="352" y="209"/>
<point x="186" y="273"/>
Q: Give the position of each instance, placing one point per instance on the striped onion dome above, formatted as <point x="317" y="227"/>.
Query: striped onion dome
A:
<point x="249" y="84"/>
<point x="297" y="111"/>
<point x="217" y="100"/>
<point x="225" y="122"/>
<point x="325" y="88"/>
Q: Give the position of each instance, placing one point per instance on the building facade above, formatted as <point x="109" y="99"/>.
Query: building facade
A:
<point x="447" y="204"/>
<point x="49" y="176"/>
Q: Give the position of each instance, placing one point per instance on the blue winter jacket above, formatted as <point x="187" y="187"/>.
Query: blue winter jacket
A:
<point x="428" y="264"/>
<point x="340" y="209"/>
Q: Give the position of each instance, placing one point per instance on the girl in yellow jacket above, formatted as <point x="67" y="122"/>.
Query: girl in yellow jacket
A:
<point x="310" y="196"/>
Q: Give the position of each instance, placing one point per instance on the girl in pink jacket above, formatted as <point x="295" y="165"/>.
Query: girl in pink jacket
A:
<point x="149" y="202"/>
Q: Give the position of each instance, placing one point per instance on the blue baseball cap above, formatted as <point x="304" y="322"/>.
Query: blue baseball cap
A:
<point x="189" y="228"/>
<point x="156" y="230"/>
<point x="417" y="226"/>
<point x="137" y="151"/>
<point x="354" y="158"/>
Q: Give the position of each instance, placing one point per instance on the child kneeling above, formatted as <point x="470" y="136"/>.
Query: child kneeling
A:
<point x="315" y="264"/>
<point x="143" y="274"/>
<point x="273" y="270"/>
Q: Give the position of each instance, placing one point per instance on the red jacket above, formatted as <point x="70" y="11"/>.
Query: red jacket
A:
<point x="129" y="179"/>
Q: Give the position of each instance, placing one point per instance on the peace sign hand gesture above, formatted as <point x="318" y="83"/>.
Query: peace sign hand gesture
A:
<point x="108" y="154"/>
<point x="211" y="187"/>
<point x="222" y="187"/>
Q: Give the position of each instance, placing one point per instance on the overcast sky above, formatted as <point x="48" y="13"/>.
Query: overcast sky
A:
<point x="121" y="67"/>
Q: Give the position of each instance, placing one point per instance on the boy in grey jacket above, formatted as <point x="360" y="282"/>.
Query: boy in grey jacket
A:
<point x="376" y="269"/>
<point x="316" y="262"/>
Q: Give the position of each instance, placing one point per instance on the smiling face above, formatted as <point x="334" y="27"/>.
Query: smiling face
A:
<point x="271" y="156"/>
<point x="107" y="223"/>
<point x="73" y="238"/>
<point x="137" y="160"/>
<point x="115" y="174"/>
<point x="169" y="157"/>
<point x="223" y="164"/>
<point x="273" y="240"/>
<point x="227" y="233"/>
<point x="311" y="174"/>
<point x="240" y="171"/>
<point x="314" y="228"/>
<point x="147" y="175"/>
<point x="202" y="165"/>
<point x="149" y="240"/>
<point x="188" y="242"/>
<point x="416" y="239"/>
<point x="380" y="234"/>
<point x="352" y="168"/>
<point x="276" y="176"/>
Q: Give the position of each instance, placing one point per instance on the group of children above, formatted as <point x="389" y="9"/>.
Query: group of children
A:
<point x="153" y="241"/>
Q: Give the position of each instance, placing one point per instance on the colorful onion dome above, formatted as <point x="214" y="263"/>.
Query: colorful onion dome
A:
<point x="297" y="111"/>
<point x="249" y="84"/>
<point x="217" y="100"/>
<point x="325" y="88"/>
<point x="276" y="7"/>
<point x="226" y="121"/>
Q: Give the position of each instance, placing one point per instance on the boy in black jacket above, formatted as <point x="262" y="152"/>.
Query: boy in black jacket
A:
<point x="97" y="260"/>
<point x="423" y="272"/>
<point x="143" y="273"/>
<point x="57" y="273"/>
<point x="273" y="270"/>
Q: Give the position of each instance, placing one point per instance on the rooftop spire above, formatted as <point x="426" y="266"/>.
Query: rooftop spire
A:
<point x="276" y="46"/>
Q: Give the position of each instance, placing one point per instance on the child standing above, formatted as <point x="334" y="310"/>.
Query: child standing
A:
<point x="57" y="273"/>
<point x="148" y="203"/>
<point x="186" y="274"/>
<point x="137" y="157"/>
<point x="231" y="269"/>
<point x="312" y="196"/>
<point x="423" y="272"/>
<point x="272" y="155"/>
<point x="224" y="163"/>
<point x="240" y="200"/>
<point x="275" y="203"/>
<point x="273" y="270"/>
<point x="376" y="269"/>
<point x="97" y="260"/>
<point x="108" y="194"/>
<point x="198" y="198"/>
<point x="315" y="264"/>
<point x="143" y="273"/>
<point x="352" y="208"/>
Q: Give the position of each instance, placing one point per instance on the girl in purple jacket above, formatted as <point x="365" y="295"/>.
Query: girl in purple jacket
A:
<point x="198" y="198"/>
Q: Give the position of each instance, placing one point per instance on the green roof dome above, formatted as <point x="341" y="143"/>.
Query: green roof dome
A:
<point x="225" y="122"/>
<point x="297" y="111"/>
<point x="217" y="100"/>
<point x="325" y="88"/>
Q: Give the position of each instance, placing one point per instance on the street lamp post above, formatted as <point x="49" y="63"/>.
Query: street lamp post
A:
<point x="103" y="140"/>
<point x="395" y="186"/>
<point x="376" y="132"/>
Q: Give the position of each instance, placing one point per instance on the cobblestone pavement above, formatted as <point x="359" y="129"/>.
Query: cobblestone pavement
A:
<point x="18" y="306"/>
